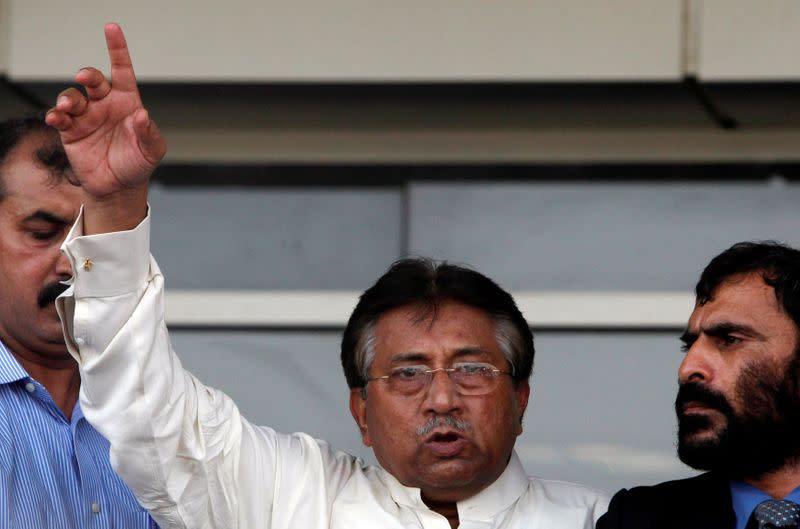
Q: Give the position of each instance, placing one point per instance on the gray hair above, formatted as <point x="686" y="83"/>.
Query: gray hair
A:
<point x="424" y="283"/>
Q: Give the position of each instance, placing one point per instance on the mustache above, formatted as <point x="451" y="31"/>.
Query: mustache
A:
<point x="49" y="293"/>
<point x="696" y="392"/>
<point x="443" y="420"/>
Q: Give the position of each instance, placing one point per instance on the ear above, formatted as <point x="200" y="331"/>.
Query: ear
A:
<point x="358" y="408"/>
<point x="521" y="394"/>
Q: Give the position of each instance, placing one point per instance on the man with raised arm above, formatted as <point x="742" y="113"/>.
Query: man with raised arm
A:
<point x="437" y="358"/>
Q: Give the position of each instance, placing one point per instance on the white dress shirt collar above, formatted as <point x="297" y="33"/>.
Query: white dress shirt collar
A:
<point x="494" y="499"/>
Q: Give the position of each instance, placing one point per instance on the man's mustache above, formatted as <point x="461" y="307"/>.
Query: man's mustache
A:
<point x="48" y="294"/>
<point x="443" y="420"/>
<point x="696" y="392"/>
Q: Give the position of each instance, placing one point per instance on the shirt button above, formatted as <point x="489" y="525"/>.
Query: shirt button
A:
<point x="95" y="507"/>
<point x="30" y="387"/>
<point x="80" y="341"/>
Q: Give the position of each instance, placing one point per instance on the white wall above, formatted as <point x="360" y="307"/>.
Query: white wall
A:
<point x="417" y="40"/>
<point x="747" y="40"/>
<point x="356" y="40"/>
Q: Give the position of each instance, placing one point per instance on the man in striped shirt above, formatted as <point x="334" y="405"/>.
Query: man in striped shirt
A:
<point x="54" y="466"/>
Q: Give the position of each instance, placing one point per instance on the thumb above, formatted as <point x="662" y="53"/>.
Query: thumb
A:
<point x="151" y="143"/>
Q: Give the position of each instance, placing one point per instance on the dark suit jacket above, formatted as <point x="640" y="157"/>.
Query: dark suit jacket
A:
<point x="701" y="502"/>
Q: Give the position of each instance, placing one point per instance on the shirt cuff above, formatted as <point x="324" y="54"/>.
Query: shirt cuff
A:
<point x="108" y="264"/>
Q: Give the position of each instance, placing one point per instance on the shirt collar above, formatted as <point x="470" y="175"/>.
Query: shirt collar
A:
<point x="402" y="495"/>
<point x="10" y="370"/>
<point x="498" y="496"/>
<point x="495" y="498"/>
<point x="746" y="497"/>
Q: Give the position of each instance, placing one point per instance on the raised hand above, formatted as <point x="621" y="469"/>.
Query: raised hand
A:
<point x="112" y="144"/>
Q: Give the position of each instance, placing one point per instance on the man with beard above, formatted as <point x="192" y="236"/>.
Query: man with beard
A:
<point x="738" y="403"/>
<point x="54" y="467"/>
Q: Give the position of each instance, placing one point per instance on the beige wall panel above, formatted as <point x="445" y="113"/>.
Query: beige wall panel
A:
<point x="355" y="40"/>
<point x="747" y="40"/>
<point x="3" y="36"/>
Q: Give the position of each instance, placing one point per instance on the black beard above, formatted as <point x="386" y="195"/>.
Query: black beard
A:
<point x="764" y="437"/>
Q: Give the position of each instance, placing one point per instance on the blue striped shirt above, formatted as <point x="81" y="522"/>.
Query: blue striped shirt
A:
<point x="55" y="473"/>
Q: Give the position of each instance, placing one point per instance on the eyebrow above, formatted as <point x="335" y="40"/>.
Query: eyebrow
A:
<point x="726" y="328"/>
<point x="46" y="216"/>
<point x="688" y="337"/>
<point x="718" y="330"/>
<point x="415" y="356"/>
<point x="467" y="351"/>
<point x="411" y="356"/>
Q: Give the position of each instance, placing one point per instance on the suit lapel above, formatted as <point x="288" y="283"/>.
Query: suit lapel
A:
<point x="709" y="506"/>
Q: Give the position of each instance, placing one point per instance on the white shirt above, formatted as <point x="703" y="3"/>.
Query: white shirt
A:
<point x="194" y="462"/>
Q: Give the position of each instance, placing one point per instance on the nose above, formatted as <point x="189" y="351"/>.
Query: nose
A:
<point x="442" y="395"/>
<point x="63" y="268"/>
<point x="696" y="366"/>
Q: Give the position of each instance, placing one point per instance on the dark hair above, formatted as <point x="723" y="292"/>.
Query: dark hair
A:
<point x="424" y="282"/>
<point x="777" y="263"/>
<point x="50" y="154"/>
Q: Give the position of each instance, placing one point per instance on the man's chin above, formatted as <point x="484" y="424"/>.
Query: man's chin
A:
<point x="700" y="450"/>
<point x="51" y="339"/>
<point x="450" y="473"/>
<point x="699" y="438"/>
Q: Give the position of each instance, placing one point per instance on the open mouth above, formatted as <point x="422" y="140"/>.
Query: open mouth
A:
<point x="445" y="443"/>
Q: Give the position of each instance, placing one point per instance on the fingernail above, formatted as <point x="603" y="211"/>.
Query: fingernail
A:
<point x="62" y="99"/>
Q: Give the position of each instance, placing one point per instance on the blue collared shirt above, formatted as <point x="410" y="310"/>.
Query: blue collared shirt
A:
<point x="746" y="497"/>
<point x="55" y="473"/>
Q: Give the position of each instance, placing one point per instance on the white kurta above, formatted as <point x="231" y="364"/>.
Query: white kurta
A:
<point x="194" y="462"/>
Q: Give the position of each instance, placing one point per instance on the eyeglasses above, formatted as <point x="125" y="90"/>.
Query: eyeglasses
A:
<point x="470" y="378"/>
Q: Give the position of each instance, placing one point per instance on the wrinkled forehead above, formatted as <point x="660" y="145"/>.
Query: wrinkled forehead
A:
<point x="743" y="300"/>
<point x="450" y="327"/>
<point x="742" y="291"/>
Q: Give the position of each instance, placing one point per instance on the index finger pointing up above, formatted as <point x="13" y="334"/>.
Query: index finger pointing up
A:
<point x="122" y="76"/>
